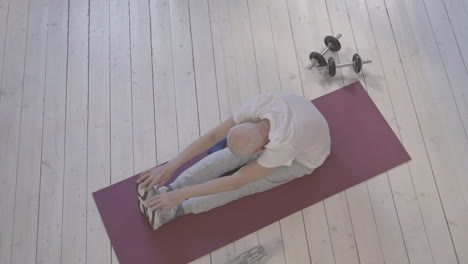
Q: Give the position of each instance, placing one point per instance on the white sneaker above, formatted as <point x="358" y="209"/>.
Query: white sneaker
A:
<point x="155" y="191"/>
<point x="156" y="221"/>
<point x="142" y="206"/>
<point x="153" y="217"/>
<point x="144" y="195"/>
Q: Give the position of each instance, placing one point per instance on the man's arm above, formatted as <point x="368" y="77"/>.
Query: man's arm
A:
<point x="205" y="142"/>
<point x="159" y="175"/>
<point x="247" y="174"/>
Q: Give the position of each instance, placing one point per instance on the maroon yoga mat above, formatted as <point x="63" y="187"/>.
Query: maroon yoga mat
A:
<point x="363" y="146"/>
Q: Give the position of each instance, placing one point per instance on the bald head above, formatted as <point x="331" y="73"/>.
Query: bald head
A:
<point x="246" y="138"/>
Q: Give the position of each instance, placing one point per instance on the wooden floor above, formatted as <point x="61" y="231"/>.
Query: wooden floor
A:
<point x="93" y="91"/>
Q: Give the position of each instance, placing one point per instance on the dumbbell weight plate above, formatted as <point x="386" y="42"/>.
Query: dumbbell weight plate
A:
<point x="335" y="43"/>
<point x="357" y="63"/>
<point x="331" y="66"/>
<point x="318" y="58"/>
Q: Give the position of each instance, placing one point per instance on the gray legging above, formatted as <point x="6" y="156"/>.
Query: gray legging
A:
<point x="218" y="164"/>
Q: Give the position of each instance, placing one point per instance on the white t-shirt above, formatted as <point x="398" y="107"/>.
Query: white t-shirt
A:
<point x="298" y="131"/>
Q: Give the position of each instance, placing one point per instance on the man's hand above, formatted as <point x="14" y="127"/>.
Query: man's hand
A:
<point x="166" y="201"/>
<point x="158" y="175"/>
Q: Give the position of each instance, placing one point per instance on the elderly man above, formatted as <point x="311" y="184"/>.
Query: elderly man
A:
<point x="273" y="138"/>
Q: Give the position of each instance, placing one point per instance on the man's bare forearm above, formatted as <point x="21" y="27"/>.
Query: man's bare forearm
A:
<point x="203" y="143"/>
<point x="197" y="147"/>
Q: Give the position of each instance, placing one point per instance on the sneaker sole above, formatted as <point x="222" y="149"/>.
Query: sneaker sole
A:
<point x="142" y="197"/>
<point x="142" y="206"/>
<point x="141" y="191"/>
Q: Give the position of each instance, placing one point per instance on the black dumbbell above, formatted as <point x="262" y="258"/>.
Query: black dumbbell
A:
<point x="331" y="43"/>
<point x="357" y="64"/>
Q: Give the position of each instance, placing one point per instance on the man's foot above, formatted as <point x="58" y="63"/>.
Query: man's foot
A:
<point x="155" y="191"/>
<point x="145" y="195"/>
<point x="157" y="220"/>
<point x="153" y="216"/>
<point x="142" y="206"/>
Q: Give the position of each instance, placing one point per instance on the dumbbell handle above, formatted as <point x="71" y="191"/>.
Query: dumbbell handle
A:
<point x="324" y="50"/>
<point x="351" y="64"/>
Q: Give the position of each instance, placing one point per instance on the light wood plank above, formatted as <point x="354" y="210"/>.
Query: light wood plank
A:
<point x="465" y="4"/>
<point x="264" y="45"/>
<point x="457" y="13"/>
<point x="411" y="223"/>
<point x="450" y="30"/>
<point x="98" y="244"/>
<point x="224" y="254"/>
<point x="284" y="46"/>
<point x="367" y="238"/>
<point x="404" y="197"/>
<point x="163" y="82"/>
<point x="226" y="77"/>
<point x="4" y="6"/>
<point x="245" y="243"/>
<point x="427" y="196"/>
<point x="409" y="215"/>
<point x="29" y="157"/>
<point x="121" y="93"/>
<point x="244" y="53"/>
<point x="271" y="239"/>
<point x="318" y="234"/>
<point x="308" y="29"/>
<point x="364" y="226"/>
<point x="122" y="160"/>
<point x="76" y="139"/>
<point x="451" y="33"/>
<point x="144" y="140"/>
<point x="205" y="72"/>
<point x="457" y="145"/>
<point x="409" y="212"/>
<point x="294" y="240"/>
<point x="49" y="238"/>
<point x="341" y="229"/>
<point x="437" y="115"/>
<point x="184" y="82"/>
<point x="10" y="112"/>
<point x="393" y="247"/>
